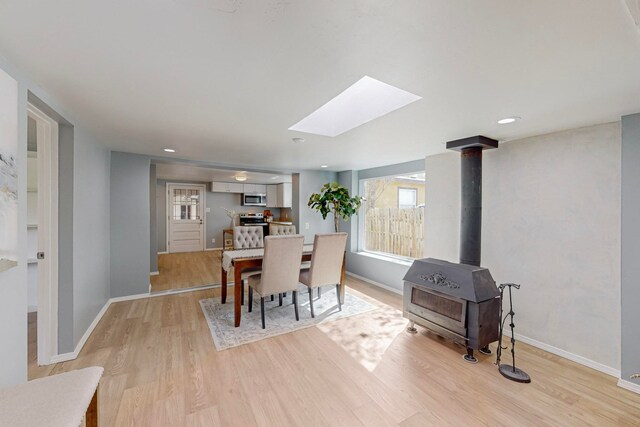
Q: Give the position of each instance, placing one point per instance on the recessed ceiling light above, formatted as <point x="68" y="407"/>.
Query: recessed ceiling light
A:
<point x="169" y="150"/>
<point x="240" y="178"/>
<point x="324" y="166"/>
<point x="508" y="120"/>
<point x="298" y="140"/>
<point x="363" y="101"/>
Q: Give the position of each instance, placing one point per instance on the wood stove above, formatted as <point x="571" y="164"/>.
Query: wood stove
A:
<point x="459" y="301"/>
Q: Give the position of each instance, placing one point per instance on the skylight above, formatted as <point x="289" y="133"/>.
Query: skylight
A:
<point x="365" y="100"/>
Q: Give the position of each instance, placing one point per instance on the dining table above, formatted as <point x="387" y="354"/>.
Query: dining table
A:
<point x="251" y="259"/>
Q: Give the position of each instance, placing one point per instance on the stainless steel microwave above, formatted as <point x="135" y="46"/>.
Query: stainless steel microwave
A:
<point x="254" y="200"/>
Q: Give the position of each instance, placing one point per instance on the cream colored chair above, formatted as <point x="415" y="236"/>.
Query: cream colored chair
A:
<point x="326" y="264"/>
<point x="247" y="237"/>
<point x="280" y="270"/>
<point x="281" y="230"/>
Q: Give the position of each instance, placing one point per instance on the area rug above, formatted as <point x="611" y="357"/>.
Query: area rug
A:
<point x="279" y="320"/>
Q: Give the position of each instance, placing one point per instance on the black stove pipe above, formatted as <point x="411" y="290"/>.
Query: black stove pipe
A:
<point x="471" y="206"/>
<point x="471" y="192"/>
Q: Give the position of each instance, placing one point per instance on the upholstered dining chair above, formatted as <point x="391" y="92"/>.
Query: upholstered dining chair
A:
<point x="280" y="270"/>
<point x="326" y="264"/>
<point x="247" y="237"/>
<point x="280" y="229"/>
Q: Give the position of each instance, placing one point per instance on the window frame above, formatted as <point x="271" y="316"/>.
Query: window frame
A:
<point x="361" y="220"/>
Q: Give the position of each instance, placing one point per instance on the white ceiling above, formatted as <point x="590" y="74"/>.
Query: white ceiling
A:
<point x="223" y="80"/>
<point x="179" y="172"/>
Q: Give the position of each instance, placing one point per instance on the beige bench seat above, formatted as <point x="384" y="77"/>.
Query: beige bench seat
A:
<point x="56" y="401"/>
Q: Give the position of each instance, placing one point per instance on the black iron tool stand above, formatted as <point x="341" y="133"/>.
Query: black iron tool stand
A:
<point x="509" y="371"/>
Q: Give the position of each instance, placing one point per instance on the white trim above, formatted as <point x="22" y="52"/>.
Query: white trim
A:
<point x="167" y="221"/>
<point x="47" y="323"/>
<point x="154" y="273"/>
<point x="571" y="356"/>
<point x="385" y="257"/>
<point x="214" y="249"/>
<point x="64" y="357"/>
<point x="163" y="253"/>
<point x="385" y="287"/>
<point x="628" y="385"/>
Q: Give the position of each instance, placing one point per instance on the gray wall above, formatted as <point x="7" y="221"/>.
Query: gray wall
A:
<point x="65" y="237"/>
<point x="83" y="269"/>
<point x="630" y="273"/>
<point x="378" y="269"/>
<point x="153" y="220"/>
<point x="303" y="185"/>
<point x="551" y="222"/>
<point x="91" y="230"/>
<point x="130" y="218"/>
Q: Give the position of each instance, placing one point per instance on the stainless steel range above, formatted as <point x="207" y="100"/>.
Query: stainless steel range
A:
<point x="256" y="219"/>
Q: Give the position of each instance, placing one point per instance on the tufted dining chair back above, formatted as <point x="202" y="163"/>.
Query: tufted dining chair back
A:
<point x="281" y="230"/>
<point x="248" y="237"/>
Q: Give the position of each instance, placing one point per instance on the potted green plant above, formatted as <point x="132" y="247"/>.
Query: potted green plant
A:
<point x="335" y="198"/>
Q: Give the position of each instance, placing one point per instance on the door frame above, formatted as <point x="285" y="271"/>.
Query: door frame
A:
<point x="47" y="325"/>
<point x="167" y="219"/>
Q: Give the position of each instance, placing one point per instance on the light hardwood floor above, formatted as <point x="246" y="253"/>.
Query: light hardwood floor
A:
<point x="161" y="368"/>
<point x="187" y="270"/>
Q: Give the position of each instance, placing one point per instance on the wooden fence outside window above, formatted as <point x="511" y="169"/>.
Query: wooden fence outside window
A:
<point x="395" y="231"/>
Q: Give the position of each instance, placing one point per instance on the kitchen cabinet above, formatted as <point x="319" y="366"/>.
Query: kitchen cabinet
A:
<point x="254" y="189"/>
<point x="279" y="195"/>
<point x="285" y="195"/>
<point x="272" y="196"/>
<point x="226" y="187"/>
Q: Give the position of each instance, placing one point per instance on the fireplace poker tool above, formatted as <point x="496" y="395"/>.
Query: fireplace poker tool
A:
<point x="509" y="371"/>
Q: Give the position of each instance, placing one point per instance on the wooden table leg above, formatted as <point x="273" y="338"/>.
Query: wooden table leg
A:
<point x="91" y="416"/>
<point x="343" y="284"/>
<point x="237" y="292"/>
<point x="223" y="286"/>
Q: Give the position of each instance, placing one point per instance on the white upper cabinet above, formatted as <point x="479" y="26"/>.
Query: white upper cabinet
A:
<point x="284" y="195"/>
<point x="254" y="189"/>
<point x="272" y="196"/>
<point x="226" y="187"/>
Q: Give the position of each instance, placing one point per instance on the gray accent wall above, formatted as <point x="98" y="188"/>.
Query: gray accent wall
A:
<point x="130" y="218"/>
<point x="304" y="184"/>
<point x="630" y="268"/>
<point x="91" y="230"/>
<point x="153" y="220"/>
<point x="65" y="237"/>
<point x="83" y="234"/>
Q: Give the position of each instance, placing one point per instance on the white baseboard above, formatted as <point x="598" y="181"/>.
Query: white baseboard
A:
<point x="154" y="273"/>
<point x="214" y="249"/>
<point x="380" y="285"/>
<point x="64" y="357"/>
<point x="163" y="252"/>
<point x="74" y="354"/>
<point x="628" y="385"/>
<point x="571" y="356"/>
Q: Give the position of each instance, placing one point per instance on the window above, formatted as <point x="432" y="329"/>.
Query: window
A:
<point x="407" y="198"/>
<point x="186" y="204"/>
<point x="393" y="220"/>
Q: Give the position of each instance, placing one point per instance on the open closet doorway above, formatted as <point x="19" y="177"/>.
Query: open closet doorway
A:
<point x="42" y="232"/>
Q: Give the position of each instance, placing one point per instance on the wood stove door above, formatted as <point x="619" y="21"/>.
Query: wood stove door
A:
<point x="444" y="310"/>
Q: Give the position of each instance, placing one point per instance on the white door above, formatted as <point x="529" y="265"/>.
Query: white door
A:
<point x="185" y="206"/>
